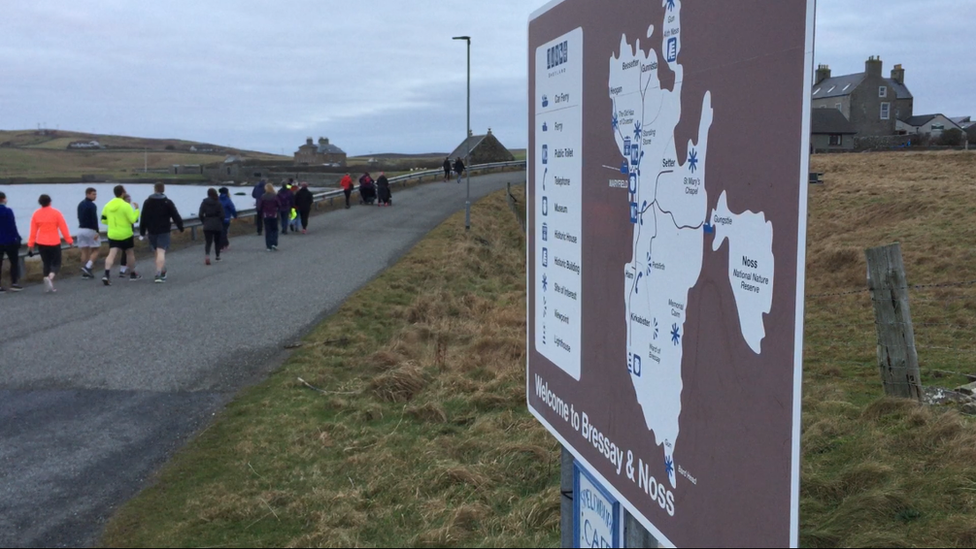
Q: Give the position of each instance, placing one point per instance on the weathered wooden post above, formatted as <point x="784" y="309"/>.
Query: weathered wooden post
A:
<point x="897" y="356"/>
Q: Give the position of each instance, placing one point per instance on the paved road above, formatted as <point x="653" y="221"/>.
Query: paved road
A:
<point x="98" y="386"/>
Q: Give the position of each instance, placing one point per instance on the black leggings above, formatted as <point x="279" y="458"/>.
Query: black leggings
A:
<point x="212" y="237"/>
<point x="11" y="252"/>
<point x="347" y="192"/>
<point x="303" y="214"/>
<point x="51" y="258"/>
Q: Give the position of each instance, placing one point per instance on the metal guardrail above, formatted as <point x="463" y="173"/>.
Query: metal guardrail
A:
<point x="331" y="196"/>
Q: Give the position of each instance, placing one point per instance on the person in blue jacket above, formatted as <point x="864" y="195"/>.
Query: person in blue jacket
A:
<point x="9" y="243"/>
<point x="256" y="193"/>
<point x="229" y="212"/>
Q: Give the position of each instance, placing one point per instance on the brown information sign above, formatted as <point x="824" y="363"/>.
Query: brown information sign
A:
<point x="667" y="182"/>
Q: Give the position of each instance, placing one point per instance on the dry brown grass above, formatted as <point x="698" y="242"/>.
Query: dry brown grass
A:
<point x="879" y="472"/>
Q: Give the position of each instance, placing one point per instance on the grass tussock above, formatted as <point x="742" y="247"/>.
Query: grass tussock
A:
<point x="421" y="437"/>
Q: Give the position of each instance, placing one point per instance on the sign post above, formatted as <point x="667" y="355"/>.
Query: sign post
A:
<point x="667" y="180"/>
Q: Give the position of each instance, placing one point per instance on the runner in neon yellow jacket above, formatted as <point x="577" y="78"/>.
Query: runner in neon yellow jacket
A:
<point x="119" y="215"/>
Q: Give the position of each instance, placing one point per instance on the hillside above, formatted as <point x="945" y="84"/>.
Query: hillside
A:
<point x="38" y="155"/>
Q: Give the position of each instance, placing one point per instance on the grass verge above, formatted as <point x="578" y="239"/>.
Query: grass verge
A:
<point x="415" y="432"/>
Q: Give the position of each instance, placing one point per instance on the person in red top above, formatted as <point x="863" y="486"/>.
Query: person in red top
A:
<point x="45" y="226"/>
<point x="347" y="186"/>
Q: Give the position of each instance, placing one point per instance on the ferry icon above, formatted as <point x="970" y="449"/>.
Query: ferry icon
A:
<point x="545" y="101"/>
<point x="545" y="127"/>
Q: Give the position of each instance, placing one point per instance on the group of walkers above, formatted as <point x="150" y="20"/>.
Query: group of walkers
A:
<point x="48" y="227"/>
<point x="458" y="167"/>
<point x="290" y="206"/>
<point x="370" y="190"/>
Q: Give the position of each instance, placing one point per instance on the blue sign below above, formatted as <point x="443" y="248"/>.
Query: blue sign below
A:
<point x="597" y="517"/>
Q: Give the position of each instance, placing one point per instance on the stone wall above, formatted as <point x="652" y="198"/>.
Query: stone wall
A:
<point x="881" y="142"/>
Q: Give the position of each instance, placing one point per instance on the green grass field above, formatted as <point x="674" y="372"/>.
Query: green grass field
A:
<point x="412" y="428"/>
<point x="26" y="154"/>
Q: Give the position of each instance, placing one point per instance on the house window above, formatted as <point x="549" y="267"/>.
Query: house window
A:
<point x="882" y="91"/>
<point x="836" y="140"/>
<point x="938" y="127"/>
<point x="885" y="111"/>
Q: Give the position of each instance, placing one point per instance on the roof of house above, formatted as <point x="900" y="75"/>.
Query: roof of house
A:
<point x="961" y="119"/>
<point x="919" y="120"/>
<point x="830" y="121"/>
<point x="323" y="149"/>
<point x="923" y="119"/>
<point x="839" y="86"/>
<point x="467" y="145"/>
<point x="329" y="149"/>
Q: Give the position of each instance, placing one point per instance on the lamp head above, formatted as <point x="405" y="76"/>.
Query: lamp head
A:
<point x="468" y="38"/>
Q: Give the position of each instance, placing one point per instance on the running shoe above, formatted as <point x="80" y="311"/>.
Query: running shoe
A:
<point x="206" y="260"/>
<point x="106" y="281"/>
<point x="158" y="279"/>
<point x="163" y="276"/>
<point x="274" y="248"/>
<point x="134" y="276"/>
<point x="86" y="272"/>
<point x="217" y="258"/>
<point x="16" y="287"/>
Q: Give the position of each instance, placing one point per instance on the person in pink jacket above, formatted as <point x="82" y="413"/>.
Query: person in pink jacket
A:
<point x="47" y="226"/>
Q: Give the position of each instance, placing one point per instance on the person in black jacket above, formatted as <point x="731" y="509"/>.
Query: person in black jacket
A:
<point x="447" y="168"/>
<point x="89" y="241"/>
<point x="158" y="216"/>
<point x="459" y="168"/>
<point x="303" y="203"/>
<point x="383" y="190"/>
<point x="212" y="216"/>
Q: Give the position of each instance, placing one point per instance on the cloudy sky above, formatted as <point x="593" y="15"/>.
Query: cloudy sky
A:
<point x="374" y="76"/>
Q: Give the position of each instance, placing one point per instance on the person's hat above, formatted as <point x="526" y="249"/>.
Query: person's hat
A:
<point x="223" y="190"/>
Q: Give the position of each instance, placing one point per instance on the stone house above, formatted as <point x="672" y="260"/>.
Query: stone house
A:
<point x="871" y="102"/>
<point x="322" y="153"/>
<point x="830" y="130"/>
<point x="484" y="149"/>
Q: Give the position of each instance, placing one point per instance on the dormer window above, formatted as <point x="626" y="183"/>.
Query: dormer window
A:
<point x="882" y="91"/>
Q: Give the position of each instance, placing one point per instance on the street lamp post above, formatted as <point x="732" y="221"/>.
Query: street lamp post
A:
<point x="467" y="142"/>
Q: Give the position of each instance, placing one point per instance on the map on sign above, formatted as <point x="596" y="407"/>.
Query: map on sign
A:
<point x="666" y="197"/>
<point x="669" y="213"/>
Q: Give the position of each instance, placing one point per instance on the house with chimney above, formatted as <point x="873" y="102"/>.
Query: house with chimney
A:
<point x="871" y="102"/>
<point x="323" y="152"/>
<point x="482" y="149"/>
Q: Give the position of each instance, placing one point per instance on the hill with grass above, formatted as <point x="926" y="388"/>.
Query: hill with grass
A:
<point x="44" y="155"/>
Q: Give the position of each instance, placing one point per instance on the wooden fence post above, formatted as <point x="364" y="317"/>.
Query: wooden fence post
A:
<point x="897" y="356"/>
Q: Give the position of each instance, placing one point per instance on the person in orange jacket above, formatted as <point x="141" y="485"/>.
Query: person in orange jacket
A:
<point x="45" y="226"/>
<point x="347" y="186"/>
